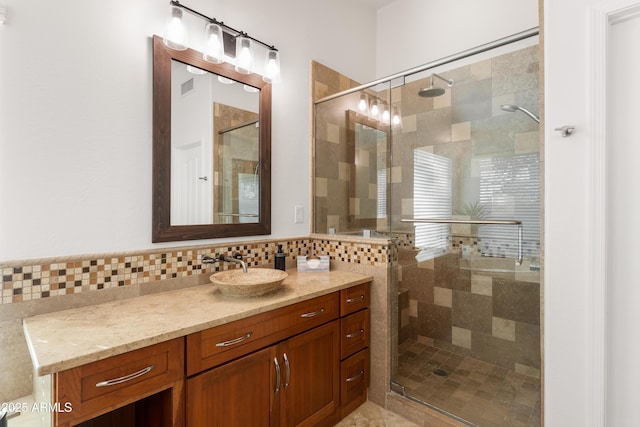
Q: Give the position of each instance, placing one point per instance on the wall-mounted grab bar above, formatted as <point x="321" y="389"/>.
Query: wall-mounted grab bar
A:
<point x="238" y="215"/>
<point x="474" y="221"/>
<point x="464" y="221"/>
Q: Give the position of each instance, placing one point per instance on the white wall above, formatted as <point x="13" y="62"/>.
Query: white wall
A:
<point x="76" y="116"/>
<point x="413" y="32"/>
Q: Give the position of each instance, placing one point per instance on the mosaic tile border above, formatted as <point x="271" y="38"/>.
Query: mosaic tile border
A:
<point x="25" y="280"/>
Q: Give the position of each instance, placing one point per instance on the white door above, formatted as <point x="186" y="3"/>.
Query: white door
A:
<point x="191" y="186"/>
<point x="591" y="295"/>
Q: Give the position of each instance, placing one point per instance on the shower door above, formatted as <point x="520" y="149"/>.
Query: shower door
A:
<point x="465" y="217"/>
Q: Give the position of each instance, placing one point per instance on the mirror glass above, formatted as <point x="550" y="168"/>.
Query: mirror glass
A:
<point x="351" y="157"/>
<point x="212" y="149"/>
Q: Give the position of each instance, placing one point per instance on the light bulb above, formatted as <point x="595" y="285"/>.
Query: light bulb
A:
<point x="396" y="117"/>
<point x="362" y="105"/>
<point x="272" y="67"/>
<point x="176" y="37"/>
<point x="385" y="114"/>
<point x="374" y="108"/>
<point x="225" y="80"/>
<point x="244" y="56"/>
<point x="214" y="45"/>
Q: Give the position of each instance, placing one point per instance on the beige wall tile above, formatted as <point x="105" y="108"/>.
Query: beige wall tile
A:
<point x="321" y="187"/>
<point x="481" y="70"/>
<point x="461" y="337"/>
<point x="503" y="328"/>
<point x="482" y="285"/>
<point x="461" y="131"/>
<point x="442" y="101"/>
<point x="409" y="123"/>
<point x="443" y="296"/>
<point x="333" y="133"/>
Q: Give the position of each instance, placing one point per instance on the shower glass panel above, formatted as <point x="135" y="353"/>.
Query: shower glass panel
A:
<point x="467" y="278"/>
<point x="238" y="184"/>
<point x="352" y="146"/>
<point x="450" y="175"/>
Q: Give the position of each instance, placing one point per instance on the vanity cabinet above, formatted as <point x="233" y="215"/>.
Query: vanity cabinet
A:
<point x="313" y="373"/>
<point x="142" y="388"/>
<point x="304" y="364"/>
<point x="354" y="347"/>
<point x="293" y="382"/>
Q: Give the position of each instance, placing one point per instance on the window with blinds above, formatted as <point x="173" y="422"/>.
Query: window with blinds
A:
<point x="510" y="189"/>
<point x="381" y="193"/>
<point x="431" y="199"/>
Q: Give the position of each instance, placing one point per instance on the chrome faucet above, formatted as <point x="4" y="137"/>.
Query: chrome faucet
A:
<point x="237" y="259"/>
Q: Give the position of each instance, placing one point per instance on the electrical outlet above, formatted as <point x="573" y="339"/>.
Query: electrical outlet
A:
<point x="298" y="216"/>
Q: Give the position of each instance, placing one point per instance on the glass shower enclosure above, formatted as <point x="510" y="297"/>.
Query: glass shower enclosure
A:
<point x="444" y="162"/>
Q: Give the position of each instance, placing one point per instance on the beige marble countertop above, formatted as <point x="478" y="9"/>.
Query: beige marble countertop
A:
<point x="66" y="339"/>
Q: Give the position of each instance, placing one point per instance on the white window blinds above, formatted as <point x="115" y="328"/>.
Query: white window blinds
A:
<point x="510" y="189"/>
<point x="431" y="199"/>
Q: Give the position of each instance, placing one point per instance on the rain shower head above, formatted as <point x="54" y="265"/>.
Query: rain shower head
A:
<point x="513" y="108"/>
<point x="432" y="91"/>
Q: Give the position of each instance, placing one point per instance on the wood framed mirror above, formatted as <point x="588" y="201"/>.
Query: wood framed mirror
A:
<point x="211" y="149"/>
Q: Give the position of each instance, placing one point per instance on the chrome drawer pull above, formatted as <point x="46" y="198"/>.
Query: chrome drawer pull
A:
<point x="355" y="334"/>
<point x="355" y="377"/>
<point x="277" y="388"/>
<point x="126" y="378"/>
<point x="314" y="314"/>
<point x="356" y="299"/>
<point x="287" y="370"/>
<point x="235" y="341"/>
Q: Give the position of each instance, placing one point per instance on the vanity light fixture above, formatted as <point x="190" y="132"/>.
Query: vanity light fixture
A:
<point x="176" y="37"/>
<point x="214" y="44"/>
<point x="238" y="43"/>
<point x="272" y="67"/>
<point x="244" y="55"/>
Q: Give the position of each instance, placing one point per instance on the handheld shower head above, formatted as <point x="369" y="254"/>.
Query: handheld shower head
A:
<point x="431" y="91"/>
<point x="513" y="108"/>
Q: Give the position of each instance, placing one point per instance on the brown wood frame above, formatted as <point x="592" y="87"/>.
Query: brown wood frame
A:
<point x="162" y="230"/>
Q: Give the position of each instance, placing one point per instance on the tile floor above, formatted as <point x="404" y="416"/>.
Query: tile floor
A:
<point x="371" y="415"/>
<point x="484" y="394"/>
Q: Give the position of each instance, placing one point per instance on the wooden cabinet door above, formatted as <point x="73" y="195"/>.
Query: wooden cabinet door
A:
<point x="238" y="394"/>
<point x="310" y="393"/>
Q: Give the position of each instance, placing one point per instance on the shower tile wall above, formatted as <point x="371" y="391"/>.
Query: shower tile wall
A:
<point x="494" y="317"/>
<point x="459" y="302"/>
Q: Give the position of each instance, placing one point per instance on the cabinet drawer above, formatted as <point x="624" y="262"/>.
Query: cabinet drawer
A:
<point x="354" y="299"/>
<point x="221" y="344"/>
<point x="354" y="333"/>
<point x="354" y="380"/>
<point x="119" y="380"/>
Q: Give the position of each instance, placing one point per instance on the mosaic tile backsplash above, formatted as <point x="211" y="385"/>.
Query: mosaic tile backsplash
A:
<point x="26" y="280"/>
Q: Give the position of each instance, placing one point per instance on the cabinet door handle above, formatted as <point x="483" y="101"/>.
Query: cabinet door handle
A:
<point x="355" y="299"/>
<point x="355" y="377"/>
<point x="234" y="341"/>
<point x="126" y="378"/>
<point x="313" y="314"/>
<point x="355" y="334"/>
<point x="277" y="387"/>
<point x="287" y="370"/>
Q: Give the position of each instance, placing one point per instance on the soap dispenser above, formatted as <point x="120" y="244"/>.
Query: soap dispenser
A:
<point x="281" y="262"/>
